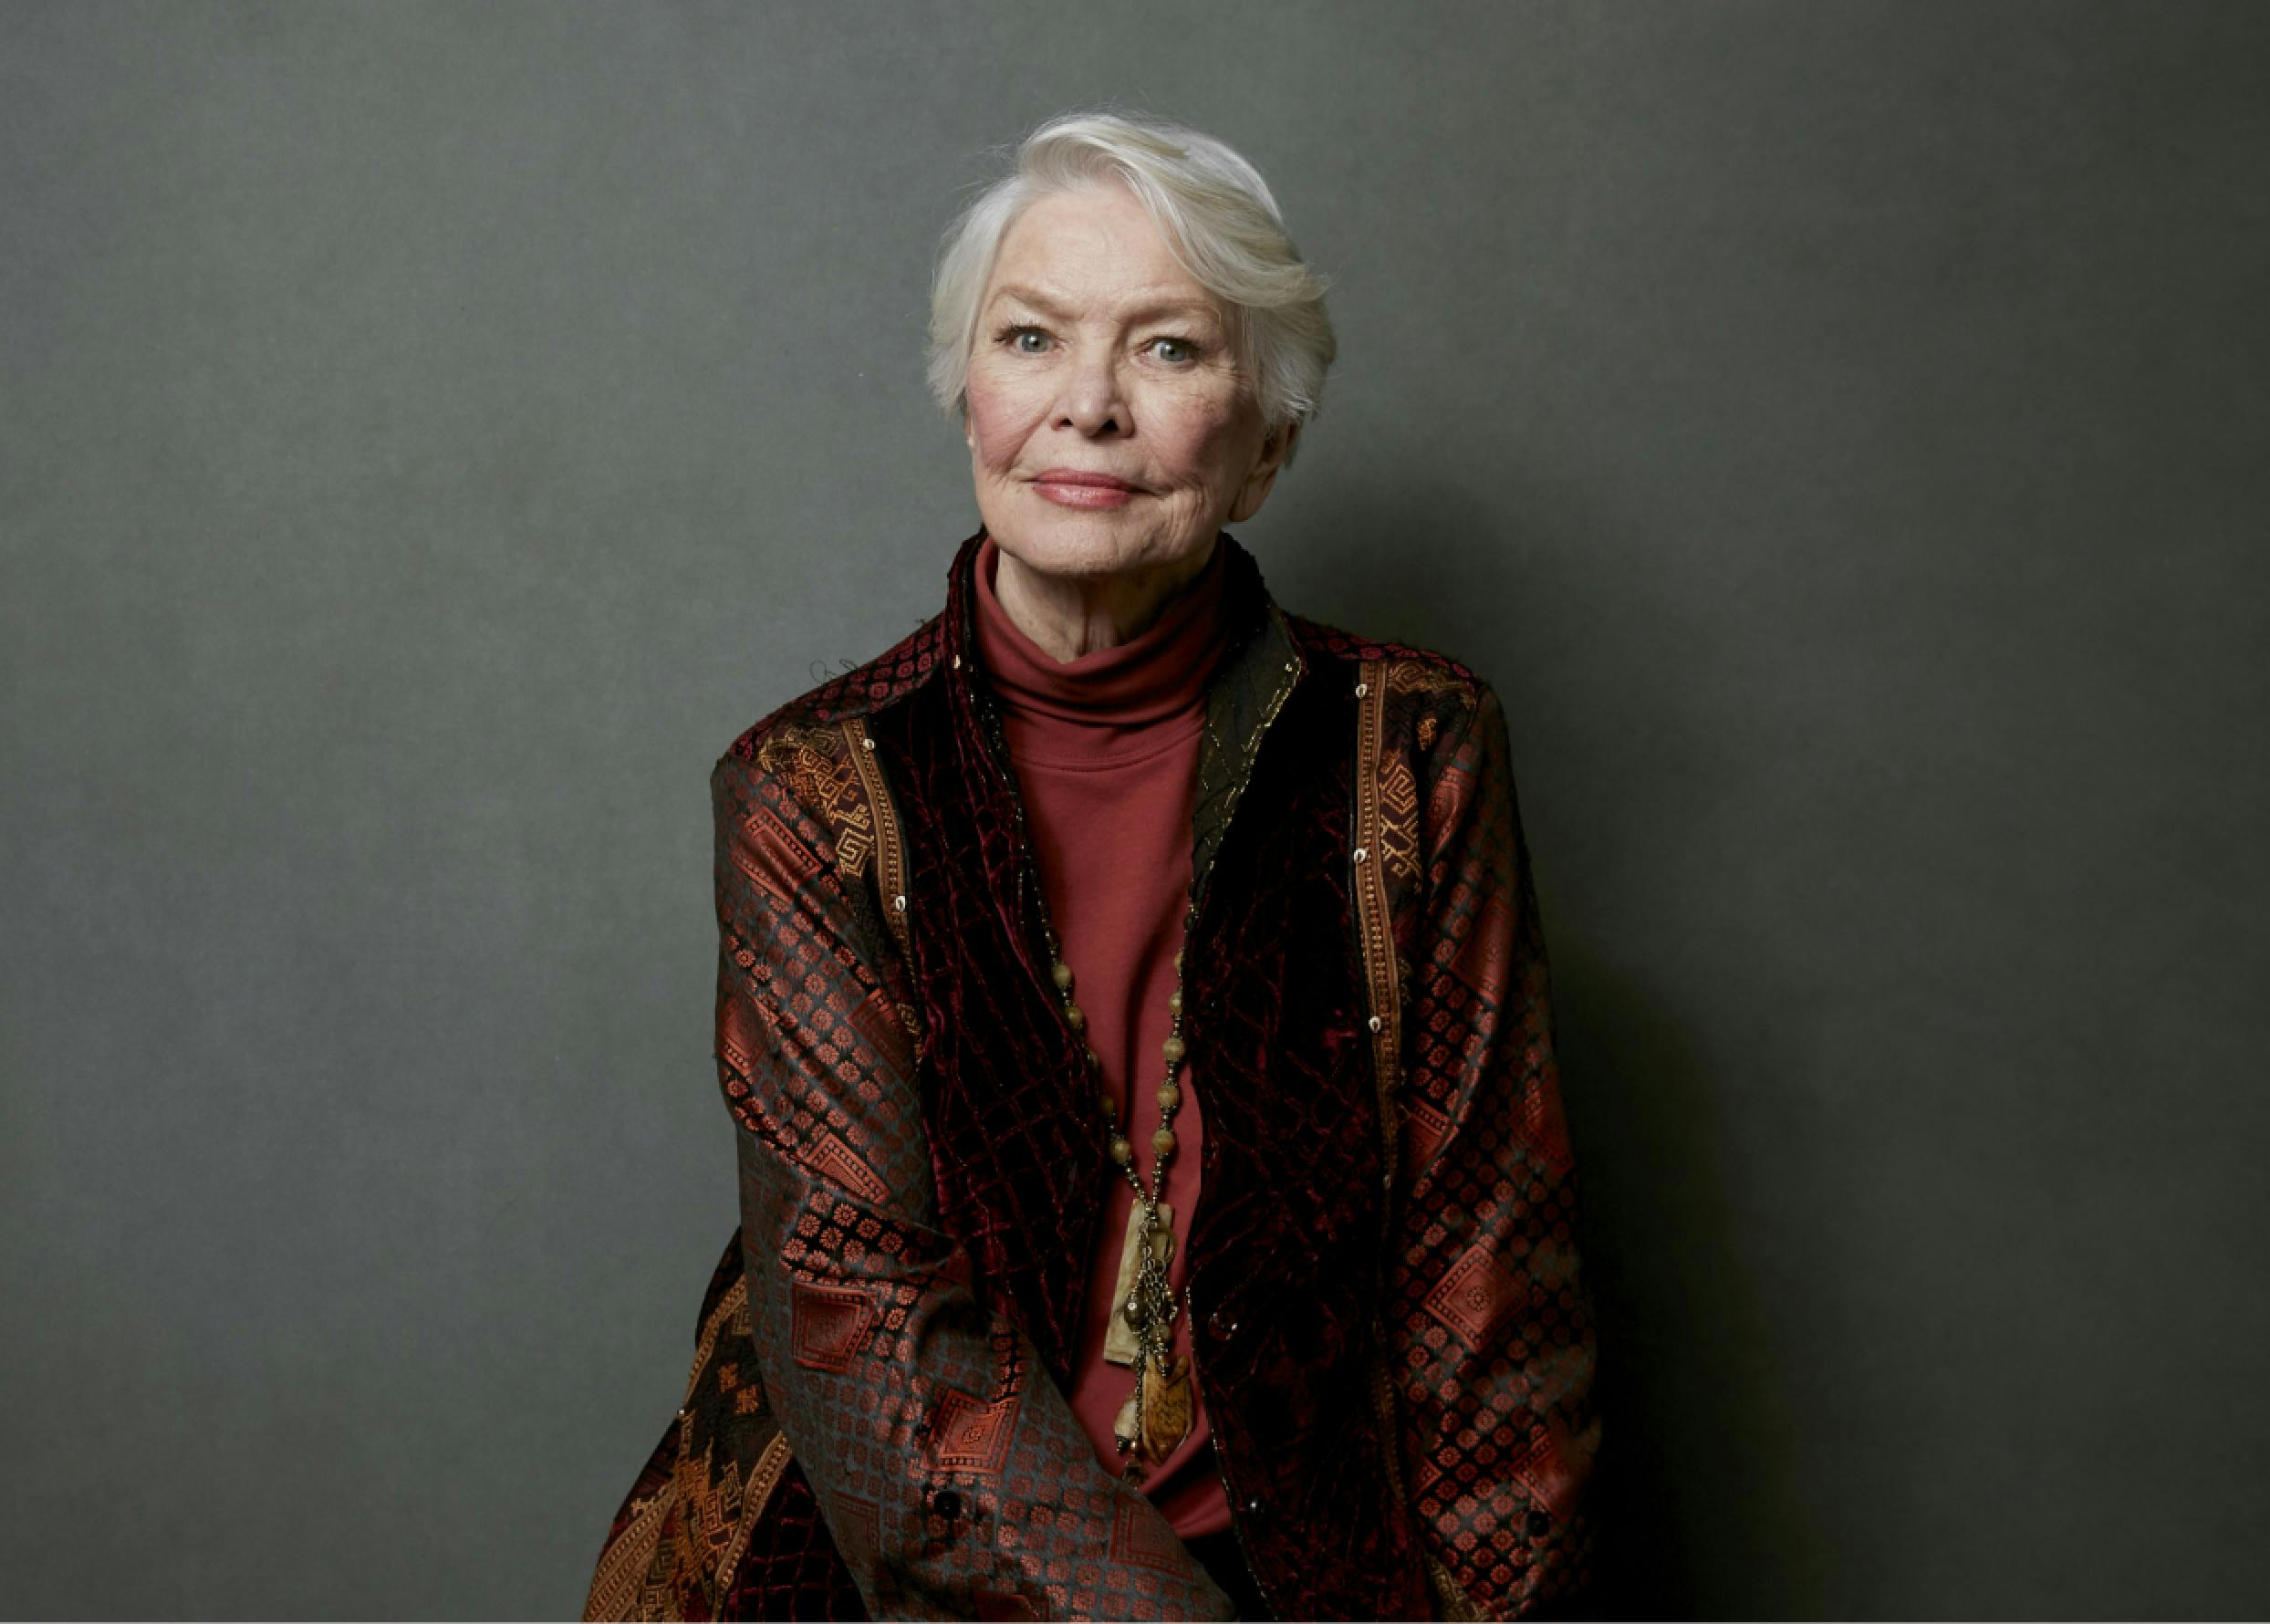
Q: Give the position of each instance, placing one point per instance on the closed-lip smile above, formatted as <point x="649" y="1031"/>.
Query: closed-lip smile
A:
<point x="1081" y="476"/>
<point x="1081" y="488"/>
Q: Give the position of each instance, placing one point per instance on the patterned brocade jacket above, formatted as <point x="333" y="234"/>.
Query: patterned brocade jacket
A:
<point x="1387" y="1318"/>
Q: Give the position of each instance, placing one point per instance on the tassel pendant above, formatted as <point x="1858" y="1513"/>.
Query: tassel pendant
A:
<point x="1158" y="1414"/>
<point x="1166" y="1408"/>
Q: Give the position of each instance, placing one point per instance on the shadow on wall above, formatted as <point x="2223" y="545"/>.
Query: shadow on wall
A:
<point x="1696" y="1493"/>
<point x="1699" y="1509"/>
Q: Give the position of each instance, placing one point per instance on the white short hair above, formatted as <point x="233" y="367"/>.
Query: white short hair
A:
<point x="1218" y="219"/>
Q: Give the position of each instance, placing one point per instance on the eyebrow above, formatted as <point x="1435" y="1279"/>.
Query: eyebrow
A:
<point x="1049" y="307"/>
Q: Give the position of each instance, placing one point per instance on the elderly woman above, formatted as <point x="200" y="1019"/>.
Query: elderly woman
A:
<point x="1155" y="1200"/>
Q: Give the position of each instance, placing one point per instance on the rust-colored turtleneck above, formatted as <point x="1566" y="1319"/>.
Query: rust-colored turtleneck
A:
<point x="1106" y="751"/>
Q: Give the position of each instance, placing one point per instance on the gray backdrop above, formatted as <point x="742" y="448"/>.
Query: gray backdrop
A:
<point x="429" y="433"/>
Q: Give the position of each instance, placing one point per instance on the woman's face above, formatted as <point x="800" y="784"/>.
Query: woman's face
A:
<point x="1110" y="429"/>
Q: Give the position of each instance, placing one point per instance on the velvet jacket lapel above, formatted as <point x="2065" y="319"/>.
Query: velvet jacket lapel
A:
<point x="1021" y="1160"/>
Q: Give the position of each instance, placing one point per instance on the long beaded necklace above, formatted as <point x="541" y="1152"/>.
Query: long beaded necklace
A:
<point x="1157" y="1415"/>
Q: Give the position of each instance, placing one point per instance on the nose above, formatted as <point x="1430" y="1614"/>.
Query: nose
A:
<point x="1092" y="402"/>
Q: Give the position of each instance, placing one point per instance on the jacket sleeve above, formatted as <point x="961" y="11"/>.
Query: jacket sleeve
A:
<point x="950" y="1469"/>
<point x="1493" y="1332"/>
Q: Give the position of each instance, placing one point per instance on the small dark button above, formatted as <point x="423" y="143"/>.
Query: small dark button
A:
<point x="946" y="1503"/>
<point x="1254" y="1508"/>
<point x="1220" y="1324"/>
<point x="1539" y="1523"/>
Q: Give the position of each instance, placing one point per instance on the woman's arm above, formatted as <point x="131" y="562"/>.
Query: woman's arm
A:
<point x="952" y="1471"/>
<point x="1492" y="1331"/>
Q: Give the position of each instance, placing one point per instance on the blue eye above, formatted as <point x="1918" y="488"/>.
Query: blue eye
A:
<point x="1176" y="352"/>
<point x="1027" y="340"/>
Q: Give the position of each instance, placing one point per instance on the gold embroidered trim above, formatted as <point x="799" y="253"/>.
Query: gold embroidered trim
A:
<point x="889" y="849"/>
<point x="810" y="762"/>
<point x="764" y="1478"/>
<point x="1373" y="920"/>
<point x="734" y="1301"/>
<point x="1375" y="926"/>
<point x="615" y="1588"/>
<point x="619" y="1587"/>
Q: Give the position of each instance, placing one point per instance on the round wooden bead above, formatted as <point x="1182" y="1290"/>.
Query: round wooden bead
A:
<point x="1163" y="1141"/>
<point x="1121" y="1151"/>
<point x="1062" y="972"/>
<point x="1173" y="1049"/>
<point x="1170" y="1097"/>
<point x="1077" y="1017"/>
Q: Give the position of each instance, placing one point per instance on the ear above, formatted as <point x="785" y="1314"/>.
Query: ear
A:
<point x="1275" y="447"/>
<point x="969" y="432"/>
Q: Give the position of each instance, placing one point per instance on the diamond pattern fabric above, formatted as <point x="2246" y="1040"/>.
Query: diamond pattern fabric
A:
<point x="1388" y="1318"/>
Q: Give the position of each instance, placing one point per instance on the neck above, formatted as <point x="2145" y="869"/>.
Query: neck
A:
<point x="1070" y="616"/>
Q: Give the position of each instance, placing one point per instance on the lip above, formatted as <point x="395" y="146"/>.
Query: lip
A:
<point x="1080" y="487"/>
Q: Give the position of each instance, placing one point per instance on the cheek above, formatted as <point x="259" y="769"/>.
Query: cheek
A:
<point x="999" y="422"/>
<point x="1204" y="438"/>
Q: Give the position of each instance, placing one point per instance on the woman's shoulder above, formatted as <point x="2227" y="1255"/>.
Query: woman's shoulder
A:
<point x="859" y="690"/>
<point x="795" y="787"/>
<point x="1424" y="692"/>
<point x="1412" y="663"/>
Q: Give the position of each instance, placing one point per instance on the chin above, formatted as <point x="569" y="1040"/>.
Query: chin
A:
<point x="1060" y="541"/>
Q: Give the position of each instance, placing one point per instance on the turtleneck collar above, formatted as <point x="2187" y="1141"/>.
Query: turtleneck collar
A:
<point x="1132" y="696"/>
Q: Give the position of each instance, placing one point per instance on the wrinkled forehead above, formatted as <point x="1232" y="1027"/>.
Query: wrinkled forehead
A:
<point x="1093" y="254"/>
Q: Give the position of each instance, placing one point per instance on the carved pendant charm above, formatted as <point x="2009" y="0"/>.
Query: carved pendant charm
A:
<point x="1166" y="1408"/>
<point x="1119" y="1342"/>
